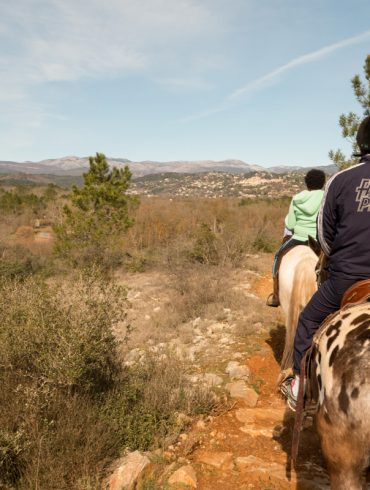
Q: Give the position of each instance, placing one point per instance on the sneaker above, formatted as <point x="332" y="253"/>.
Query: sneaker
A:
<point x="288" y="390"/>
<point x="273" y="301"/>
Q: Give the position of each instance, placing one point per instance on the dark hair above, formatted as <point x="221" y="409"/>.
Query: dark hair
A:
<point x="363" y="136"/>
<point x="315" y="179"/>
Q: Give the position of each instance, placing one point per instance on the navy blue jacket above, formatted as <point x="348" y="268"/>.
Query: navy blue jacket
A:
<point x="344" y="221"/>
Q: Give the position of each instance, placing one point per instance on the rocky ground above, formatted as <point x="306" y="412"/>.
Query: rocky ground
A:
<point x="246" y="443"/>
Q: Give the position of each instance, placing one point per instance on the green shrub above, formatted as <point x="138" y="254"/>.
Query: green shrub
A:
<point x="92" y="229"/>
<point x="20" y="199"/>
<point x="68" y="407"/>
<point x="12" y="446"/>
<point x="60" y="336"/>
<point x="262" y="243"/>
<point x="205" y="248"/>
<point x="143" y="410"/>
<point x="18" y="262"/>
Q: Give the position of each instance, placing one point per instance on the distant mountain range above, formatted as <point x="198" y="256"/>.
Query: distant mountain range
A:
<point x="76" y="166"/>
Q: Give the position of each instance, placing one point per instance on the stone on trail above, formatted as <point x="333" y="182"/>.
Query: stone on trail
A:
<point x="237" y="371"/>
<point x="225" y="341"/>
<point x="184" y="476"/>
<point x="239" y="389"/>
<point x="237" y="355"/>
<point x="197" y="321"/>
<point x="128" y="472"/>
<point x="266" y="422"/>
<point x="200" y="425"/>
<point x="276" y="471"/>
<point x="217" y="459"/>
<point x="262" y="416"/>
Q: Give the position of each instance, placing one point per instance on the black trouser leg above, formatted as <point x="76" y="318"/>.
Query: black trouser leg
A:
<point x="325" y="301"/>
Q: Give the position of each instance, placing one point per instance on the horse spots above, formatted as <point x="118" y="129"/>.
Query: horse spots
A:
<point x="355" y="393"/>
<point x="333" y="328"/>
<point x="343" y="399"/>
<point x="361" y="333"/>
<point x="331" y="340"/>
<point x="360" y="319"/>
<point x="333" y="355"/>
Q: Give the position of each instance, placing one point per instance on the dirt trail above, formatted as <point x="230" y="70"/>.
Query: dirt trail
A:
<point x="248" y="448"/>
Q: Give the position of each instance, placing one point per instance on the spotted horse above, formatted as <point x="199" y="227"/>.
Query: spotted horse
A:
<point x="337" y="372"/>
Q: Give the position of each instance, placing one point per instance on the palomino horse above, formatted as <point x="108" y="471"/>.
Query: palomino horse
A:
<point x="339" y="383"/>
<point x="297" y="284"/>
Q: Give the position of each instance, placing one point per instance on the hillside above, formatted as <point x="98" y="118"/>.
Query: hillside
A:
<point x="73" y="165"/>
<point x="218" y="184"/>
<point x="172" y="184"/>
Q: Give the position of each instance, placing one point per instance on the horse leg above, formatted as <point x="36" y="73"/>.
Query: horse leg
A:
<point x="345" y="460"/>
<point x="345" y="479"/>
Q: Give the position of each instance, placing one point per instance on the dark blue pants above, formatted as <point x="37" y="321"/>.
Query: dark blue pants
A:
<point x="325" y="301"/>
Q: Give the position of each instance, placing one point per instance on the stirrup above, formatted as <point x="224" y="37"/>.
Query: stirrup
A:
<point x="272" y="301"/>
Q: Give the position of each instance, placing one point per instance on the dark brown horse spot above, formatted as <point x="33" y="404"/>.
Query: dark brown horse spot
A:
<point x="343" y="398"/>
<point x="360" y="333"/>
<point x="333" y="327"/>
<point x="333" y="355"/>
<point x="360" y="319"/>
<point x="355" y="393"/>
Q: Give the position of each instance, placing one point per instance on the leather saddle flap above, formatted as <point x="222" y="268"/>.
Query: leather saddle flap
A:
<point x="356" y="294"/>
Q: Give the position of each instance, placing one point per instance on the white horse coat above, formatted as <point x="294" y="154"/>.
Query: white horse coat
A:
<point x="297" y="284"/>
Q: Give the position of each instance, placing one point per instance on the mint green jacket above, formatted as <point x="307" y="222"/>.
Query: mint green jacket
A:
<point x="303" y="210"/>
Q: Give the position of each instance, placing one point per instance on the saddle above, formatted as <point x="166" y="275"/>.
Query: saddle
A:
<point x="356" y="294"/>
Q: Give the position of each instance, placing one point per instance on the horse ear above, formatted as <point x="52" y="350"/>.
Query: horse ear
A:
<point x="314" y="245"/>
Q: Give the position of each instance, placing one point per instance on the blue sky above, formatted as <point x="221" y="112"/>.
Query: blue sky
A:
<point x="263" y="81"/>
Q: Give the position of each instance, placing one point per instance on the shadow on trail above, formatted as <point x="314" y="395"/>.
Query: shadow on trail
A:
<point x="310" y="467"/>
<point x="277" y="341"/>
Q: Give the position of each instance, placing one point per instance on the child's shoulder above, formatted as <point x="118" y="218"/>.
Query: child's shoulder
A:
<point x="301" y="195"/>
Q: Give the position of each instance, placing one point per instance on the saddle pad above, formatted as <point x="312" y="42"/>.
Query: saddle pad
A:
<point x="356" y="294"/>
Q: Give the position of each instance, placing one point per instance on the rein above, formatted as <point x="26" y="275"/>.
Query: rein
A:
<point x="299" y="412"/>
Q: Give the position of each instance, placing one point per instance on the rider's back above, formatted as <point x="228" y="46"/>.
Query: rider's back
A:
<point x="344" y="221"/>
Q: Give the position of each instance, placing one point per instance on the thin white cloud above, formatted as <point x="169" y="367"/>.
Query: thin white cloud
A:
<point x="204" y="114"/>
<point x="274" y="76"/>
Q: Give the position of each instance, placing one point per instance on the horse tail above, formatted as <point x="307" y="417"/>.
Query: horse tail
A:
<point x="304" y="286"/>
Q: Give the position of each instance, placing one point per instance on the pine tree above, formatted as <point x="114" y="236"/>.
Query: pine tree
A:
<point x="93" y="226"/>
<point x="351" y="121"/>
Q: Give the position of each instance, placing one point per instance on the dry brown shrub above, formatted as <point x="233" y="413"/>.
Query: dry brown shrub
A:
<point x="166" y="230"/>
